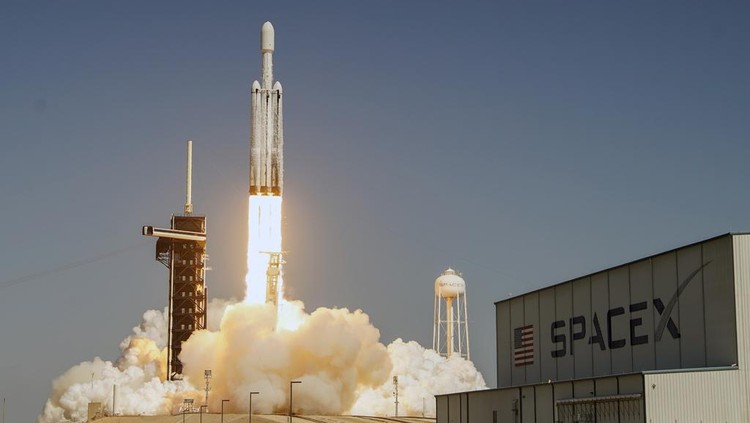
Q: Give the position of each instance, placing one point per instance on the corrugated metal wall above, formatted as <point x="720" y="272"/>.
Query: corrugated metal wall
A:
<point x="537" y="403"/>
<point x="707" y="396"/>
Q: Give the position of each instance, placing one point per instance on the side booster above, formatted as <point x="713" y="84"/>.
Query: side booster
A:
<point x="266" y="132"/>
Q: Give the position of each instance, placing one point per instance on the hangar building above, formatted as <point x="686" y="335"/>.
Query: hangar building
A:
<point x="661" y="339"/>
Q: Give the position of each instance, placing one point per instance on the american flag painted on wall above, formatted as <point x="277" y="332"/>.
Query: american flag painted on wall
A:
<point x="523" y="345"/>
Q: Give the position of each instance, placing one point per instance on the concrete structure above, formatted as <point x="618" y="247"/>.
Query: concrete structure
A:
<point x="450" y="327"/>
<point x="662" y="339"/>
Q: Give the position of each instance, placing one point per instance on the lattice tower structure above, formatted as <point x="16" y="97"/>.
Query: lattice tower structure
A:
<point x="186" y="261"/>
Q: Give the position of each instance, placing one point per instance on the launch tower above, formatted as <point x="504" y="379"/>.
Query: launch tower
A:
<point x="182" y="249"/>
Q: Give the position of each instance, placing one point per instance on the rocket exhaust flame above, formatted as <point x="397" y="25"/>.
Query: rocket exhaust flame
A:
<point x="264" y="235"/>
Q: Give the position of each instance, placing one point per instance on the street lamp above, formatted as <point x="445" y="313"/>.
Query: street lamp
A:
<point x="291" y="385"/>
<point x="250" y="407"/>
<point x="222" y="410"/>
<point x="200" y="412"/>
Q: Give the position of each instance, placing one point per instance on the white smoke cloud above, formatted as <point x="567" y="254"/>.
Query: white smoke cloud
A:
<point x="422" y="374"/>
<point x="137" y="375"/>
<point x="336" y="353"/>
<point x="153" y="327"/>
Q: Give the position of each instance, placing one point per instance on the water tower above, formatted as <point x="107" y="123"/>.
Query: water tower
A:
<point x="450" y="333"/>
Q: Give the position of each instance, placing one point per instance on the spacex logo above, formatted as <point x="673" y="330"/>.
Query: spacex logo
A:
<point x="578" y="327"/>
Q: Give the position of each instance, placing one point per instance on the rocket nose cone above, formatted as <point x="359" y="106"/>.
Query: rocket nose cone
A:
<point x="277" y="86"/>
<point x="266" y="38"/>
<point x="256" y="85"/>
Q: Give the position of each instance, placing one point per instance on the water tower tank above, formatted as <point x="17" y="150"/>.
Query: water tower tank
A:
<point x="450" y="284"/>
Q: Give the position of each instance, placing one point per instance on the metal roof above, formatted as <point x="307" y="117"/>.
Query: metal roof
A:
<point x="623" y="264"/>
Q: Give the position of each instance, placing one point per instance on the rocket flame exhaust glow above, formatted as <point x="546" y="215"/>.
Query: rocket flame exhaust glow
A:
<point x="264" y="234"/>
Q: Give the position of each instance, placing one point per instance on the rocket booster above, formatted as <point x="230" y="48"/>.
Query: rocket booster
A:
<point x="266" y="125"/>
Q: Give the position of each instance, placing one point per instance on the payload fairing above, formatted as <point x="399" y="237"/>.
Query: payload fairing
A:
<point x="266" y="132"/>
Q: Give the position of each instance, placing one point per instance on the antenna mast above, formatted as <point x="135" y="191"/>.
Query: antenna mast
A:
<point x="189" y="180"/>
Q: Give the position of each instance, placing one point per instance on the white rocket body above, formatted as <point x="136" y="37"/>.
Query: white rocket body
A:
<point x="266" y="131"/>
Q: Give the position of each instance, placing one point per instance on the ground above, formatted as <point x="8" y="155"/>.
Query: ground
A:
<point x="237" y="418"/>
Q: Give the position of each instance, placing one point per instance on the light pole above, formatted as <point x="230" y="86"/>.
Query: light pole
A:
<point x="291" y="385"/>
<point x="250" y="407"/>
<point x="222" y="410"/>
<point x="395" y="393"/>
<point x="200" y="412"/>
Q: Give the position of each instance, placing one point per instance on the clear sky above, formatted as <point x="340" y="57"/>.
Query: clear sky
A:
<point x="524" y="143"/>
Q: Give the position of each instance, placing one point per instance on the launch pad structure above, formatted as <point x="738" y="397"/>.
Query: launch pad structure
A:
<point x="182" y="250"/>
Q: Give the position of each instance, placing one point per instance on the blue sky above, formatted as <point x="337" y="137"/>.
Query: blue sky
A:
<point x="523" y="143"/>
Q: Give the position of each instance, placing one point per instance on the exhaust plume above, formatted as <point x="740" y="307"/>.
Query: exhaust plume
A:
<point x="336" y="353"/>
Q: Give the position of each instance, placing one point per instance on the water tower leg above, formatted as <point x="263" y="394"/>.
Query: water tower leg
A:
<point x="449" y="332"/>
